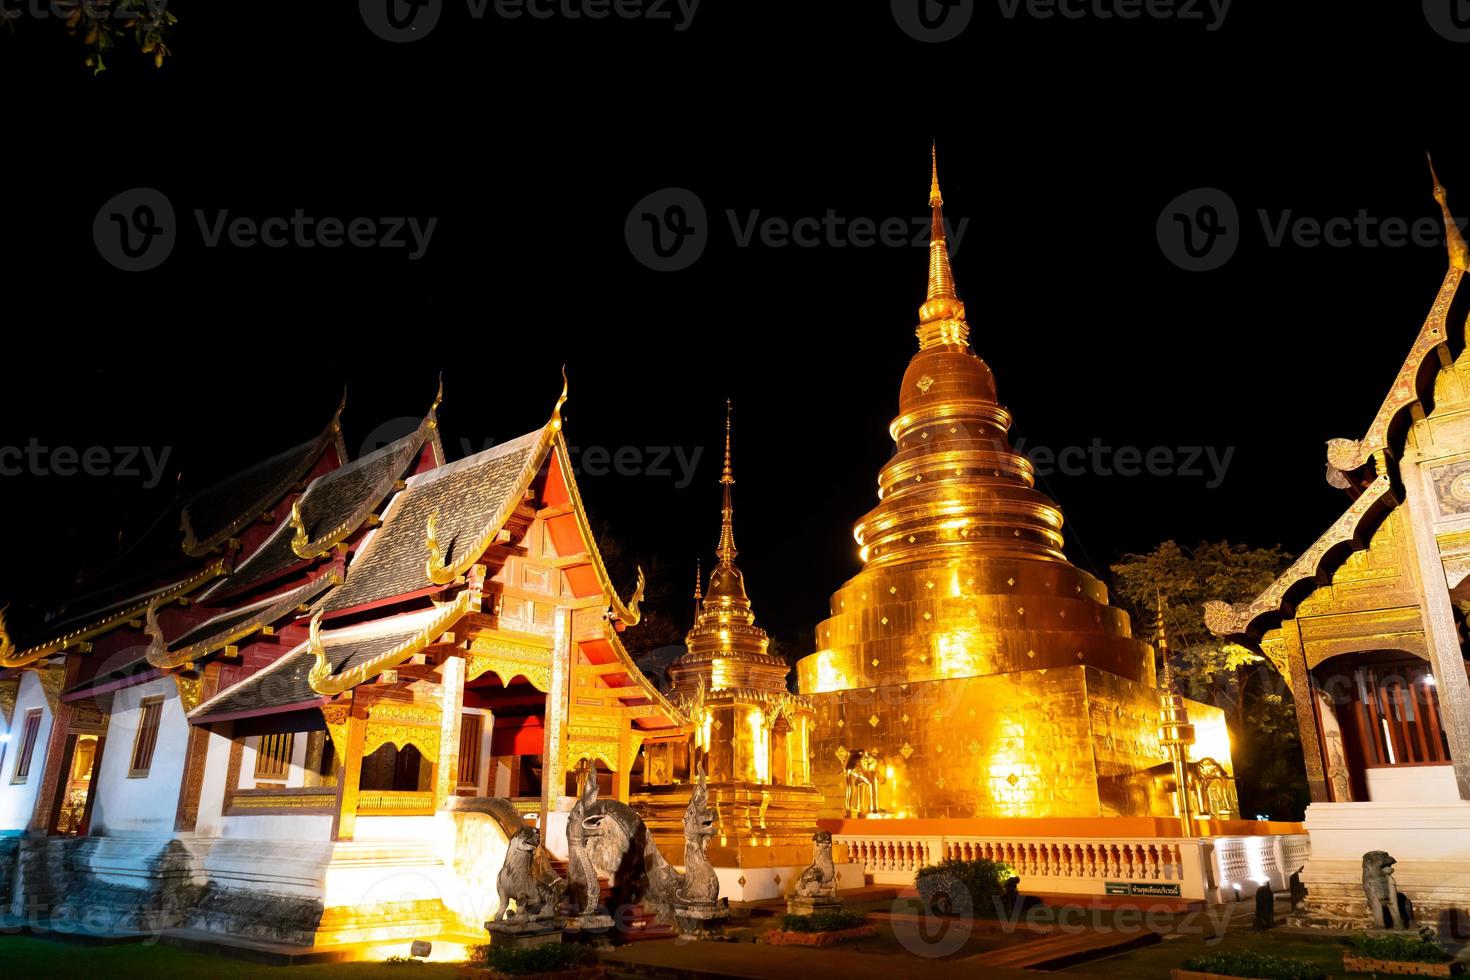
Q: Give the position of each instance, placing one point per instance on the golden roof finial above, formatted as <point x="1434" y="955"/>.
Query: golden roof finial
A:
<point x="942" y="317"/>
<point x="726" y="551"/>
<point x="433" y="416"/>
<point x="7" y="646"/>
<point x="1459" y="252"/>
<point x="698" y="595"/>
<point x="562" y="400"/>
<point x="935" y="200"/>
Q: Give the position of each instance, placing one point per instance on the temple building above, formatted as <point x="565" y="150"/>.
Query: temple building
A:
<point x="1367" y="629"/>
<point x="750" y="734"/>
<point x="259" y="721"/>
<point x="969" y="670"/>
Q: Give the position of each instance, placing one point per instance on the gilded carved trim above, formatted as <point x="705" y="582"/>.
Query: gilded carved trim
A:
<point x="190" y="685"/>
<point x="402" y="724"/>
<point x="508" y="659"/>
<point x="9" y="657"/>
<point x="1227" y="619"/>
<point x="335" y="716"/>
<point x="160" y="656"/>
<point x="628" y="612"/>
<point x="436" y="569"/>
<point x="323" y="681"/>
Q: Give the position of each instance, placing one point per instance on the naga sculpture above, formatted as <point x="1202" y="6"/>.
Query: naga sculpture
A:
<point x="699" y="885"/>
<point x="583" y="887"/>
<point x="535" y="900"/>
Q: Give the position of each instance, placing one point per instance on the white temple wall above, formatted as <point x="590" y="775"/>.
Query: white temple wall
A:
<point x="142" y="805"/>
<point x="18" y="800"/>
<point x="1405" y="784"/>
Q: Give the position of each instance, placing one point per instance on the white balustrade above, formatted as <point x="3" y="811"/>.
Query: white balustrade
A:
<point x="1217" y="869"/>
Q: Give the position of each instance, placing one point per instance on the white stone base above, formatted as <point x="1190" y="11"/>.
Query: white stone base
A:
<point x="760" y="883"/>
<point x="1430" y="841"/>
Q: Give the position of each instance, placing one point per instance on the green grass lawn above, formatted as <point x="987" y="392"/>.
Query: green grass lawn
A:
<point x="1154" y="962"/>
<point x="40" y="959"/>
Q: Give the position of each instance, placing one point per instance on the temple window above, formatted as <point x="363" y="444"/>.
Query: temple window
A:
<point x="391" y="769"/>
<point x="273" y="756"/>
<point x="149" y="712"/>
<point x="29" y="734"/>
<point x="474" y="751"/>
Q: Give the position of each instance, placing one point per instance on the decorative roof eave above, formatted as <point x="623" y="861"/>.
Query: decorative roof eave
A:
<point x="324" y="681"/>
<point x="313" y="548"/>
<point x="1347" y="455"/>
<point x="331" y="436"/>
<point x="660" y="703"/>
<point x="627" y="613"/>
<point x="10" y="656"/>
<point x="1347" y="534"/>
<point x="271" y="610"/>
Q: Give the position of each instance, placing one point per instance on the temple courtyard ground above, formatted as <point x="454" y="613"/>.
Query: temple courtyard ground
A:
<point x="1077" y="943"/>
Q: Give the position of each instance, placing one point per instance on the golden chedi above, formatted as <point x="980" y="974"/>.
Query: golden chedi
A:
<point x="749" y="731"/>
<point x="969" y="669"/>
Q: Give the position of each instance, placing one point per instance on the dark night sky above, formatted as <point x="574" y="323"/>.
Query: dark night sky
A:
<point x="530" y="142"/>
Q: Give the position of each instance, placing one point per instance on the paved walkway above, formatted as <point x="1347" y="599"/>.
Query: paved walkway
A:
<point x="757" y="961"/>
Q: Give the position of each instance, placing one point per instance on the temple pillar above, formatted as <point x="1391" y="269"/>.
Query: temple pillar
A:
<point x="553" y="742"/>
<point x="1440" y="635"/>
<point x="1306" y="716"/>
<point x="451" y="712"/>
<point x="187" y="815"/>
<point x="58" y="749"/>
<point x="351" y="779"/>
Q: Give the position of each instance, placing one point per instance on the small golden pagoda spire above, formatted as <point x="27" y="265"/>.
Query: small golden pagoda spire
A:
<point x="942" y="317"/>
<point x="1161" y="643"/>
<point x="726" y="551"/>
<point x="698" y="596"/>
<point x="1459" y="252"/>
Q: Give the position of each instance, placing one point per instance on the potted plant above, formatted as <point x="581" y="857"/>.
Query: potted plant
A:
<point x="563" y="961"/>
<point x="1253" y="966"/>
<point x="957" y="887"/>
<point x="1400" y="954"/>
<point x="820" y="929"/>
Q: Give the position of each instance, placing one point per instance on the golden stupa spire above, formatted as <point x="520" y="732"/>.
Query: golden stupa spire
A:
<point x="1459" y="253"/>
<point x="1161" y="643"/>
<point x="726" y="551"/>
<point x="698" y="596"/>
<point x="942" y="317"/>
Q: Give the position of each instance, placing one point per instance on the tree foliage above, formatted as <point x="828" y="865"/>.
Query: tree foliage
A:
<point x="1257" y="706"/>
<point x="105" y="25"/>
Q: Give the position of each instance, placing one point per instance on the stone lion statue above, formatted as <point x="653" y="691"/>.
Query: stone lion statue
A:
<point x="819" y="880"/>
<point x="1385" y="905"/>
<point x="535" y="900"/>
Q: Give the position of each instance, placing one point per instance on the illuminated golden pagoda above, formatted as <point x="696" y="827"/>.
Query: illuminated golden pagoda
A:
<point x="749" y="731"/>
<point x="969" y="669"/>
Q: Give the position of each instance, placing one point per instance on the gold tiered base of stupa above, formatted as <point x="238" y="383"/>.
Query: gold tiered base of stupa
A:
<point x="970" y="670"/>
<point x="758" y="826"/>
